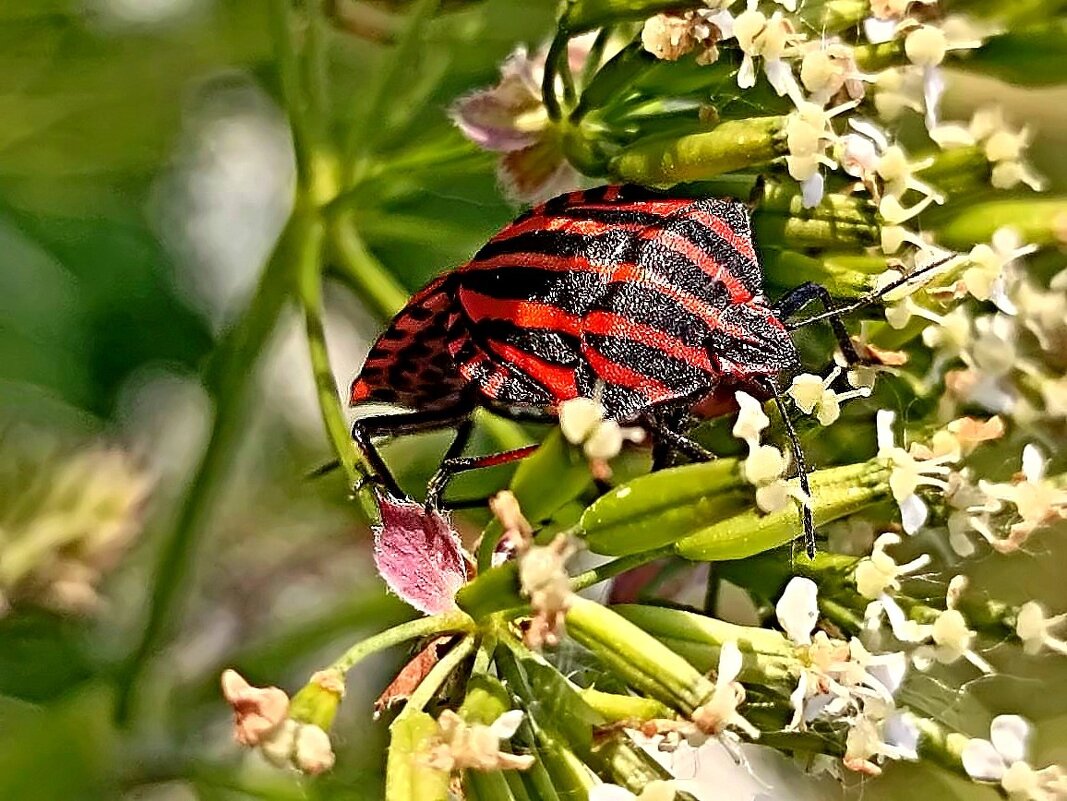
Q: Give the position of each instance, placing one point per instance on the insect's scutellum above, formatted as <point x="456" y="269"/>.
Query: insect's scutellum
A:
<point x="654" y="304"/>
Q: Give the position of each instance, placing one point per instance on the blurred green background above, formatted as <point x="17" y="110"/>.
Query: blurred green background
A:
<point x="145" y="171"/>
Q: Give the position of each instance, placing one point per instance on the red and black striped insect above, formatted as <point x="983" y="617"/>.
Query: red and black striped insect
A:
<point x="652" y="304"/>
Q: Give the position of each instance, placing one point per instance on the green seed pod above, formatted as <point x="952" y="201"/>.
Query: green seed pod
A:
<point x="637" y="657"/>
<point x="768" y="657"/>
<point x="661" y="507"/>
<point x="615" y="708"/>
<point x="733" y="145"/>
<point x="836" y="492"/>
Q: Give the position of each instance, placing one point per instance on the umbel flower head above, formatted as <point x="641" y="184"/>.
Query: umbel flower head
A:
<point x="66" y="518"/>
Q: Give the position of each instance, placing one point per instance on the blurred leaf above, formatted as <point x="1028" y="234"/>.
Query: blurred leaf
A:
<point x="41" y="657"/>
<point x="110" y="308"/>
<point x="1030" y="56"/>
<point x="80" y="99"/>
<point x="62" y="751"/>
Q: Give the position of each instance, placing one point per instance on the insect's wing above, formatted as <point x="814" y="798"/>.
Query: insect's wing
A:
<point x="410" y="364"/>
<point x="525" y="294"/>
<point x="644" y="339"/>
<point x="722" y="230"/>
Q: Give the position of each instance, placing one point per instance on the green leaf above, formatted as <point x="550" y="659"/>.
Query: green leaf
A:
<point x="662" y="507"/>
<point x="65" y="750"/>
<point x="558" y="706"/>
<point x="408" y="777"/>
<point x="1028" y="56"/>
<point x="42" y="656"/>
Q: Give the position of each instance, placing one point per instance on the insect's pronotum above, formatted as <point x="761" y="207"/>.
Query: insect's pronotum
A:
<point x="651" y="304"/>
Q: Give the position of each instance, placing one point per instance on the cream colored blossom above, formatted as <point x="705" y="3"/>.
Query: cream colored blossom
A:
<point x="813" y="395"/>
<point x="476" y="746"/>
<point x="543" y="579"/>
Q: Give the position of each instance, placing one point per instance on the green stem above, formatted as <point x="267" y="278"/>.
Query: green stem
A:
<point x="616" y="566"/>
<point x="429" y="686"/>
<point x="361" y="272"/>
<point x="318" y="78"/>
<point x="444" y="623"/>
<point x="333" y="418"/>
<point x="557" y="55"/>
<point x="228" y="379"/>
<point x="385" y="90"/>
<point x="290" y="76"/>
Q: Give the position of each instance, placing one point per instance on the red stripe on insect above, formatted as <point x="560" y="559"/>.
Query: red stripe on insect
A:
<point x="492" y="385"/>
<point x="523" y="313"/>
<point x="541" y="261"/>
<point x="565" y="225"/>
<point x="683" y="247"/>
<point x="741" y="244"/>
<point x="556" y="379"/>
<point x="608" y="323"/>
<point x="616" y="373"/>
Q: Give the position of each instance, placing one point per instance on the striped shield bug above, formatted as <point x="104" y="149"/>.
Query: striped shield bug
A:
<point x="652" y="304"/>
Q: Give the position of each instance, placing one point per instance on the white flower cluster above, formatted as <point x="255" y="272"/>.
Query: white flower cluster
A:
<point x="766" y="465"/>
<point x="843" y="682"/>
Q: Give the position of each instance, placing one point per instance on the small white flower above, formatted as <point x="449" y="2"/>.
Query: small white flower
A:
<point x="1004" y="147"/>
<point x="769" y="39"/>
<point x="720" y="712"/>
<point x="1034" y="628"/>
<point x="1002" y="759"/>
<point x="1037" y="502"/>
<point x="798" y="609"/>
<point x="808" y="133"/>
<point x="879" y="573"/>
<point x="582" y="422"/>
<point x="909" y="473"/>
<point x="543" y="578"/>
<point x="476" y="746"/>
<point x="813" y="395"/>
<point x="751" y="419"/>
<point x="926" y="47"/>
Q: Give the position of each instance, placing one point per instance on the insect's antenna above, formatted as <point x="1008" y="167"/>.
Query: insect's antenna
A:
<point x="873" y="297"/>
<point x="807" y="520"/>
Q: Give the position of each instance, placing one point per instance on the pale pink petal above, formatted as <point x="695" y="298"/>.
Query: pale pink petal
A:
<point x="489" y="122"/>
<point x="419" y="555"/>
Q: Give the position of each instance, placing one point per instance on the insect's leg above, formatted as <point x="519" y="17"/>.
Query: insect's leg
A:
<point x="366" y="429"/>
<point x="796" y="299"/>
<point x="452" y="466"/>
<point x="808" y="521"/>
<point x="679" y="442"/>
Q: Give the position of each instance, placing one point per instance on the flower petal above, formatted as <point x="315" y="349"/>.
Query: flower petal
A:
<point x="729" y="663"/>
<point x="798" y="609"/>
<point x="1010" y="735"/>
<point x="507" y="724"/>
<point x="418" y="554"/>
<point x="982" y="761"/>
<point x="913" y="513"/>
